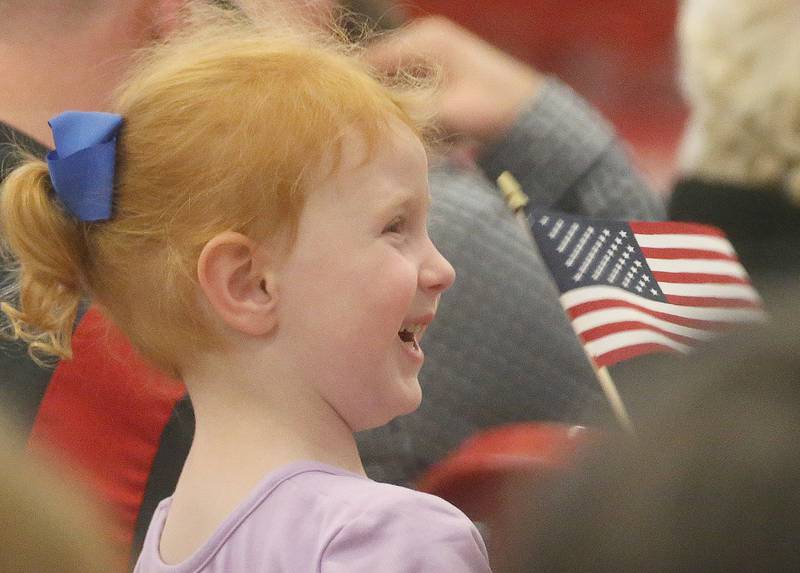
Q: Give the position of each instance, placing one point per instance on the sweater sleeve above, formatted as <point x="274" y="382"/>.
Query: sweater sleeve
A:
<point x="421" y="534"/>
<point x="567" y="157"/>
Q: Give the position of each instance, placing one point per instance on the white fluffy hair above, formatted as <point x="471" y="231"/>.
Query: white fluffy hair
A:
<point x="740" y="63"/>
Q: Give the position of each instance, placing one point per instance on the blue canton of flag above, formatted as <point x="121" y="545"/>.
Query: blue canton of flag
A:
<point x="581" y="252"/>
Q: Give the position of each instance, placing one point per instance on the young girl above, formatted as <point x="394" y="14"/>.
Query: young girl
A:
<point x="254" y="219"/>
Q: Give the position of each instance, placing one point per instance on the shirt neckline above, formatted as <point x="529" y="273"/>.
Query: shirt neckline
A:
<point x="238" y="515"/>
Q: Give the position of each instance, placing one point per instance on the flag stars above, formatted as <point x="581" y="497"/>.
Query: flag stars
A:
<point x="606" y="232"/>
<point x="637" y="263"/>
<point x="614" y="247"/>
<point x="638" y="288"/>
<point x="618" y="241"/>
<point x="544" y="220"/>
<point x="646" y="279"/>
<point x="626" y="256"/>
<point x="623" y="234"/>
<point x="654" y="291"/>
<point x="630" y="248"/>
<point x="577" y="277"/>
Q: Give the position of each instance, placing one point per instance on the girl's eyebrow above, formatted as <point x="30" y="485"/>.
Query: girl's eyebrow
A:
<point x="405" y="198"/>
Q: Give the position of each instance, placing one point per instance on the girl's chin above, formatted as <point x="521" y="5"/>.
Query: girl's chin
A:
<point x="405" y="403"/>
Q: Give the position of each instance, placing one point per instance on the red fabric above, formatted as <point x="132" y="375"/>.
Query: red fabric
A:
<point x="473" y="476"/>
<point x="103" y="415"/>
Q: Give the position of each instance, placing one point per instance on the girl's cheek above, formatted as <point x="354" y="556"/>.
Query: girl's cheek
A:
<point x="403" y="280"/>
<point x="392" y="295"/>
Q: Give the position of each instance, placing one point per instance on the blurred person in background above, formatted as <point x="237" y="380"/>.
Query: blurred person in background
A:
<point x="503" y="351"/>
<point x="46" y="524"/>
<point x="708" y="483"/>
<point x="740" y="156"/>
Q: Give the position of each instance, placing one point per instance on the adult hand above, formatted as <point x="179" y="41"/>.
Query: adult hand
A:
<point x="483" y="88"/>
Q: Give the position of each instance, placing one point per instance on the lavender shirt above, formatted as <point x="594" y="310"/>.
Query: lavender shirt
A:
<point x="311" y="517"/>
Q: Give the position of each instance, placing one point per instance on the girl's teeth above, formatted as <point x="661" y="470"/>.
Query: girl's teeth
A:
<point x="409" y="335"/>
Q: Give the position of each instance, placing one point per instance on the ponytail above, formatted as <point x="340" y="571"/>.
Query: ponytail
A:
<point x="44" y="247"/>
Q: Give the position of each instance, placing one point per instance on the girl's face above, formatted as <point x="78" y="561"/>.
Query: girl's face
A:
<point x="363" y="281"/>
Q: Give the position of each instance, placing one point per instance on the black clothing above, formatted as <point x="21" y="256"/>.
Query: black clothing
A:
<point x="763" y="224"/>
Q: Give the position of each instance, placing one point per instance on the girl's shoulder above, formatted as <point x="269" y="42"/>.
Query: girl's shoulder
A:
<point x="353" y="494"/>
<point x="383" y="527"/>
<point x="309" y="516"/>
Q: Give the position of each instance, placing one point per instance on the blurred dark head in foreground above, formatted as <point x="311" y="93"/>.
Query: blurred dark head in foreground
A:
<point x="711" y="482"/>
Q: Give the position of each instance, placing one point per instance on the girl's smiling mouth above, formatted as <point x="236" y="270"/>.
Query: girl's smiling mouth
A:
<point x="409" y="335"/>
<point x="411" y="332"/>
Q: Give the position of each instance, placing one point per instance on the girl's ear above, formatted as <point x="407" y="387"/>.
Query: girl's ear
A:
<point x="236" y="277"/>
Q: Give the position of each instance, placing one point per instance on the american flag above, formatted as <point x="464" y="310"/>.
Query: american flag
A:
<point x="633" y="288"/>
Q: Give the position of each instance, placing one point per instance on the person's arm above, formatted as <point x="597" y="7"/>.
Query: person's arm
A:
<point x="568" y="157"/>
<point x="563" y="153"/>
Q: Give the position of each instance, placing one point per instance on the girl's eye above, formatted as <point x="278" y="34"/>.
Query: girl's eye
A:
<point x="396" y="226"/>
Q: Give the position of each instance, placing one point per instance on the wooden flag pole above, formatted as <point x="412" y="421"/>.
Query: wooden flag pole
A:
<point x="613" y="397"/>
<point x="516" y="199"/>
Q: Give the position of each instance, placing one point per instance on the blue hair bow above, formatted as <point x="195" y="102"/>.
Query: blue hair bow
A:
<point x="82" y="166"/>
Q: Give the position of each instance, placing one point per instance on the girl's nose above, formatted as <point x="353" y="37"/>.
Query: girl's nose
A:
<point x="437" y="274"/>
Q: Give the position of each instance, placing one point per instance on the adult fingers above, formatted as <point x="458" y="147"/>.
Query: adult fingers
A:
<point x="421" y="43"/>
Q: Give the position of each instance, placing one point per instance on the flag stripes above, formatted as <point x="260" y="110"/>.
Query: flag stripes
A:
<point x="699" y="278"/>
<point x="647" y="287"/>
<point x="689" y="242"/>
<point x="619" y="340"/>
<point x="596" y="319"/>
<point x="578" y="310"/>
<point x="599" y="293"/>
<point x="604" y="332"/>
<point x="710" y="290"/>
<point x="669" y="253"/>
<point x="729" y="268"/>
<point x="711" y="301"/>
<point x="662" y="228"/>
